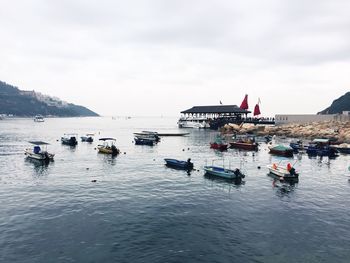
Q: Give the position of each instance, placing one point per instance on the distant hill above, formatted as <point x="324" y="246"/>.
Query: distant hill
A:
<point x="30" y="103"/>
<point x="339" y="105"/>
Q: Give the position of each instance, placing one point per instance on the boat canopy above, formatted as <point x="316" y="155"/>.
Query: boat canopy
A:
<point x="321" y="140"/>
<point x="39" y="143"/>
<point x="107" y="139"/>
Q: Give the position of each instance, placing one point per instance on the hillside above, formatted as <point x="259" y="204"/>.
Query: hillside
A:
<point x="339" y="105"/>
<point x="22" y="103"/>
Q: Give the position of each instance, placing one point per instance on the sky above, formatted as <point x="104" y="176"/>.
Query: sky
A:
<point x="157" y="57"/>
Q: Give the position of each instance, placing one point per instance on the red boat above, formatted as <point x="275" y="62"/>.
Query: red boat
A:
<point x="249" y="146"/>
<point x="218" y="146"/>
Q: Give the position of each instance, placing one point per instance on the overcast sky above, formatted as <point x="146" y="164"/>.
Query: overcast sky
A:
<point x="156" y="57"/>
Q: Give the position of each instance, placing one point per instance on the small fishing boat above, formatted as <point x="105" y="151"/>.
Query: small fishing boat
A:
<point x="281" y="150"/>
<point x="321" y="147"/>
<point x="343" y="148"/>
<point x="184" y="165"/>
<point x="69" y="139"/>
<point x="108" y="146"/>
<point x="297" y="146"/>
<point x="245" y="143"/>
<point x="39" y="118"/>
<point x="148" y="135"/>
<point x="88" y="137"/>
<point x="144" y="141"/>
<point x="282" y="172"/>
<point x="223" y="172"/>
<point x="37" y="153"/>
<point x="218" y="144"/>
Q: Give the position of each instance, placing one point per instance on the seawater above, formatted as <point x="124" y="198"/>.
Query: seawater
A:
<point x="138" y="210"/>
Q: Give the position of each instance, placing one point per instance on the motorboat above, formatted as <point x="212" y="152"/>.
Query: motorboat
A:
<point x="223" y="172"/>
<point x="245" y="143"/>
<point x="88" y="137"/>
<point x="194" y="122"/>
<point x="218" y="144"/>
<point x="184" y="165"/>
<point x="343" y="148"/>
<point x="321" y="147"/>
<point x="281" y="150"/>
<point x="144" y="141"/>
<point x="39" y="151"/>
<point x="108" y="146"/>
<point x="283" y="172"/>
<point x="69" y="139"/>
<point x="39" y="118"/>
<point x="147" y="135"/>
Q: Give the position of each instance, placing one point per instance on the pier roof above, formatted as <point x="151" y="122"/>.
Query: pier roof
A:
<point x="216" y="109"/>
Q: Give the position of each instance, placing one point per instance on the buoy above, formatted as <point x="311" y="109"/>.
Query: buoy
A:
<point x="183" y="150"/>
<point x="188" y="148"/>
<point x="124" y="152"/>
<point x="93" y="181"/>
<point x="87" y="168"/>
<point x="154" y="160"/>
<point x="259" y="167"/>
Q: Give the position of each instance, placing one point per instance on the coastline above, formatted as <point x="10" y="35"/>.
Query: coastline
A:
<point x="336" y="130"/>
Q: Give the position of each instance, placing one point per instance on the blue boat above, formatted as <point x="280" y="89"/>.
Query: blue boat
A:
<point x="143" y="141"/>
<point x="321" y="147"/>
<point x="224" y="173"/>
<point x="184" y="165"/>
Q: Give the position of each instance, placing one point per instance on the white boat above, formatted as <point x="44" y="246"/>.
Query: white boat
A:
<point x="193" y="122"/>
<point x="282" y="172"/>
<point x="39" y="118"/>
<point x="38" y="153"/>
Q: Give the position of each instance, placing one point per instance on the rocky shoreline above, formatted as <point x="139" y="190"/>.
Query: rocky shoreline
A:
<point x="336" y="130"/>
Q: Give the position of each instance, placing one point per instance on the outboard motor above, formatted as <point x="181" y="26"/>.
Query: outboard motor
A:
<point x="115" y="150"/>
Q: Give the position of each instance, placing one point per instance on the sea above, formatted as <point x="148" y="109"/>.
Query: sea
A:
<point x="90" y="207"/>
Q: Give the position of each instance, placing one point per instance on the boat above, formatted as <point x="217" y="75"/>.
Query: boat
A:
<point x="39" y="118"/>
<point x="184" y="165"/>
<point x="282" y="172"/>
<point x="144" y="141"/>
<point x="218" y="144"/>
<point x="343" y="148"/>
<point x="147" y="135"/>
<point x="281" y="150"/>
<point x="321" y="147"/>
<point x="245" y="143"/>
<point x="69" y="139"/>
<point x="297" y="146"/>
<point x="37" y="153"/>
<point x="88" y="137"/>
<point x="223" y="172"/>
<point x="108" y="146"/>
<point x="194" y="122"/>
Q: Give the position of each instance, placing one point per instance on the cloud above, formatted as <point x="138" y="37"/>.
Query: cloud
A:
<point x="155" y="48"/>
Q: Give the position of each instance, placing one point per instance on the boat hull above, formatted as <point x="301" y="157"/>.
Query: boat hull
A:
<point x="140" y="141"/>
<point x="42" y="156"/>
<point x="177" y="164"/>
<point x="218" y="146"/>
<point x="108" y="150"/>
<point x="244" y="146"/>
<point x="281" y="172"/>
<point x="222" y="172"/>
<point x="69" y="141"/>
<point x="87" y="139"/>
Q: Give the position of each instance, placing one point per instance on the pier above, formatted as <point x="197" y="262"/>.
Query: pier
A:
<point x="219" y="115"/>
